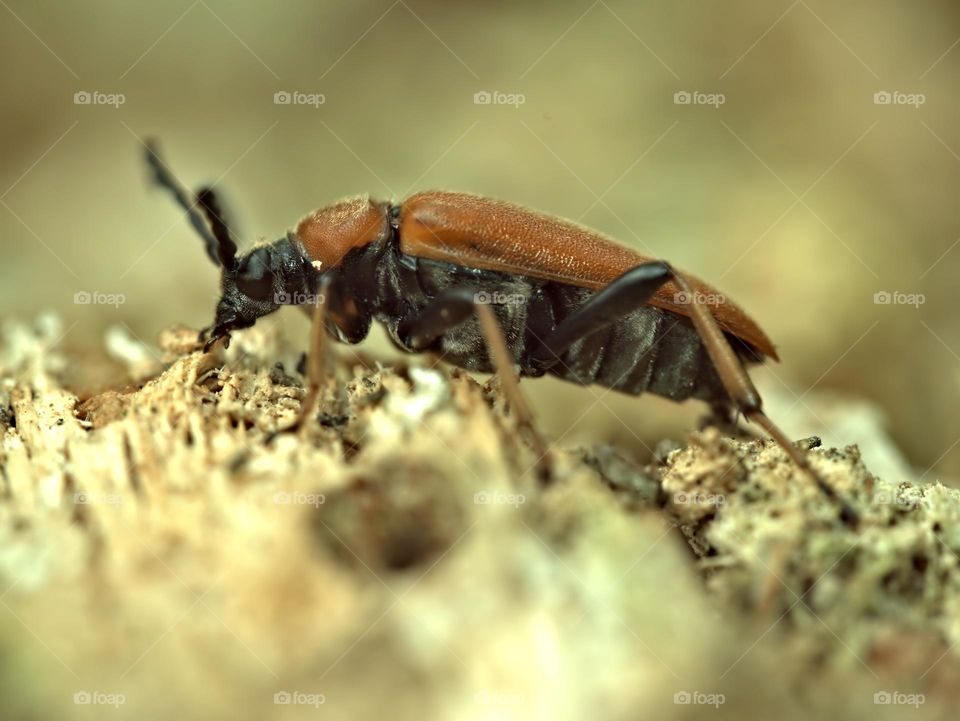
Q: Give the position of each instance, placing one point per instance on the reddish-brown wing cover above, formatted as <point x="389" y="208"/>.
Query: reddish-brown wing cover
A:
<point x="482" y="233"/>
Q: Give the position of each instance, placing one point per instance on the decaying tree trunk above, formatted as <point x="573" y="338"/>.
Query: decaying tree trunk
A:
<point x="164" y="556"/>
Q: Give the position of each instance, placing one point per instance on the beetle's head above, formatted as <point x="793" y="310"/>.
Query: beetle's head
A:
<point x="252" y="285"/>
<point x="257" y="284"/>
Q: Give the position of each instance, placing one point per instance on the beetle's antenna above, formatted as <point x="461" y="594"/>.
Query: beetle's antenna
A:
<point x="226" y="245"/>
<point x="163" y="177"/>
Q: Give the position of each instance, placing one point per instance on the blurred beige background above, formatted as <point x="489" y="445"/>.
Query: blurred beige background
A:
<point x="801" y="195"/>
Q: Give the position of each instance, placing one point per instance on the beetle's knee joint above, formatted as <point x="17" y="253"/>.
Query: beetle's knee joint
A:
<point x="750" y="404"/>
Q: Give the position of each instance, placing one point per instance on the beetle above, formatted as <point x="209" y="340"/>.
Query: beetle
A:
<point x="492" y="286"/>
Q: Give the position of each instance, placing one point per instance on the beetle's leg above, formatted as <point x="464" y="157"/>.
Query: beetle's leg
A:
<point x="634" y="289"/>
<point x="510" y="382"/>
<point x="315" y="359"/>
<point x="624" y="295"/>
<point x="452" y="308"/>
<point x="449" y="309"/>
<point x="744" y="394"/>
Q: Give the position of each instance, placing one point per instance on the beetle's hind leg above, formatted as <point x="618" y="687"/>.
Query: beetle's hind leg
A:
<point x="629" y="292"/>
<point x="634" y="289"/>
<point x="745" y="396"/>
<point x="452" y="308"/>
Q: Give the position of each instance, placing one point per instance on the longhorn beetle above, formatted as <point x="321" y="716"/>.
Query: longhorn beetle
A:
<point x="567" y="301"/>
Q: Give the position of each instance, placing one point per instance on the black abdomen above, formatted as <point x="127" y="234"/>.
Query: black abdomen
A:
<point x="648" y="351"/>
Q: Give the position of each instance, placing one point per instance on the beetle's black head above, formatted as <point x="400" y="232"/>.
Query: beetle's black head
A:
<point x="255" y="285"/>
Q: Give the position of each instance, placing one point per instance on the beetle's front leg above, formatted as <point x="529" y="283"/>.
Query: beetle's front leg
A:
<point x="315" y="360"/>
<point x="316" y="356"/>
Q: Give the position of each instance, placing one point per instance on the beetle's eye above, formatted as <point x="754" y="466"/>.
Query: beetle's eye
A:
<point x="254" y="277"/>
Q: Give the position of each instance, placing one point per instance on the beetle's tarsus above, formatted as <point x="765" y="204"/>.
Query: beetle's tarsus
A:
<point x="848" y="515"/>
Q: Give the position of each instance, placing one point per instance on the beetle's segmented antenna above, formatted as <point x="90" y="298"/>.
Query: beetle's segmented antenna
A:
<point x="226" y="246"/>
<point x="163" y="177"/>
